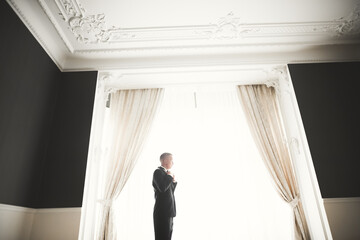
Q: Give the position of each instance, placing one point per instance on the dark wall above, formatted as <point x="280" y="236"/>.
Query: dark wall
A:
<point x="65" y="162"/>
<point x="28" y="89"/>
<point x="45" y="120"/>
<point x="328" y="98"/>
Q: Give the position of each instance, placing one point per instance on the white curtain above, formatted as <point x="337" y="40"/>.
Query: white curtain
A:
<point x="130" y="119"/>
<point x="263" y="114"/>
<point x="224" y="190"/>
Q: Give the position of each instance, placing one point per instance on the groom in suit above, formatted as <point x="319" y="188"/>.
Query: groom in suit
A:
<point x="164" y="184"/>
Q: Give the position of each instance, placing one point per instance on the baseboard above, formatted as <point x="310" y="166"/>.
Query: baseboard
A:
<point x="21" y="223"/>
<point x="6" y="207"/>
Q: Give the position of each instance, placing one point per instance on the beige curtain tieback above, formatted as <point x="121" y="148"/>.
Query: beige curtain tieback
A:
<point x="106" y="202"/>
<point x="294" y="202"/>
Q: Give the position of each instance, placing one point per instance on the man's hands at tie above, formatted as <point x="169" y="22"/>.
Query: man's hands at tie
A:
<point x="172" y="175"/>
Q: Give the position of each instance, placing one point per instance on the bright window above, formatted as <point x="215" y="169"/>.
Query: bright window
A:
<point x="224" y="191"/>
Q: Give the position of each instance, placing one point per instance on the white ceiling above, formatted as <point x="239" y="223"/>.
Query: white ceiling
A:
<point x="118" y="34"/>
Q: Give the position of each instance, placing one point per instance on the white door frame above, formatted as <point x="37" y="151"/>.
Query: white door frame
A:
<point x="272" y="75"/>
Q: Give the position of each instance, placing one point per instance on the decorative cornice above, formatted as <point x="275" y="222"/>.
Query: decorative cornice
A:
<point x="279" y="38"/>
<point x="69" y="9"/>
<point x="351" y="23"/>
<point x="345" y="26"/>
<point x="46" y="11"/>
<point x="228" y="27"/>
<point x="92" y="29"/>
<point x="88" y="28"/>
<point x="179" y="48"/>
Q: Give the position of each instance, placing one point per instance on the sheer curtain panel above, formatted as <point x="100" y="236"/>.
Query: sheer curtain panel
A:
<point x="131" y="116"/>
<point x="261" y="108"/>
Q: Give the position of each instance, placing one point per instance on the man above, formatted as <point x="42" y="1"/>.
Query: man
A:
<point x="164" y="184"/>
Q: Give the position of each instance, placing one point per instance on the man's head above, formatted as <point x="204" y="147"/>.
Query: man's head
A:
<point x="166" y="160"/>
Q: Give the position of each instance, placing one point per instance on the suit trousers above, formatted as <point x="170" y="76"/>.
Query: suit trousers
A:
<point x="163" y="227"/>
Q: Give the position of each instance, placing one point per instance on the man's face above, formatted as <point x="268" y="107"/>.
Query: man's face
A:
<point x="168" y="162"/>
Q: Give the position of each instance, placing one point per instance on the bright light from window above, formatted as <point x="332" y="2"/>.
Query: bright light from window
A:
<point x="224" y="191"/>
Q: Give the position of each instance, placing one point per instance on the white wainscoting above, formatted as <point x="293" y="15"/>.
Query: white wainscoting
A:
<point x="15" y="222"/>
<point x="19" y="223"/>
<point x="344" y="217"/>
<point x="56" y="224"/>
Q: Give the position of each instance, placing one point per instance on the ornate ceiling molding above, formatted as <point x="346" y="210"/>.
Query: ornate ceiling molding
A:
<point x="88" y="29"/>
<point x="78" y="40"/>
<point x="348" y="26"/>
<point x="351" y="23"/>
<point x="228" y="27"/>
<point x="93" y="30"/>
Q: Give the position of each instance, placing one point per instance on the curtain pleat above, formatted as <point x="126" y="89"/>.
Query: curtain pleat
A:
<point x="261" y="108"/>
<point x="131" y="116"/>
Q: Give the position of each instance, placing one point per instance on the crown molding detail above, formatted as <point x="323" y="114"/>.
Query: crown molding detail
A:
<point x="77" y="40"/>
<point x="87" y="29"/>
<point x="93" y="29"/>
<point x="227" y="27"/>
<point x="348" y="26"/>
<point x="351" y="24"/>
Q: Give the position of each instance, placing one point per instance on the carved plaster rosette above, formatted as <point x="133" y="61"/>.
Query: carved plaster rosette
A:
<point x="88" y="28"/>
<point x="227" y="27"/>
<point x="345" y="26"/>
<point x="350" y="24"/>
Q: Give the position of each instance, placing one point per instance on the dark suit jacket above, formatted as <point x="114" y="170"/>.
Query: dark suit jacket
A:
<point x="164" y="194"/>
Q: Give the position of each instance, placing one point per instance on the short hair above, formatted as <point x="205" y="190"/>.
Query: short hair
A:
<point x="164" y="155"/>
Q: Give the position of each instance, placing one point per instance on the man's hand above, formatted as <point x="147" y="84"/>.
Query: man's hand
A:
<point x="171" y="174"/>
